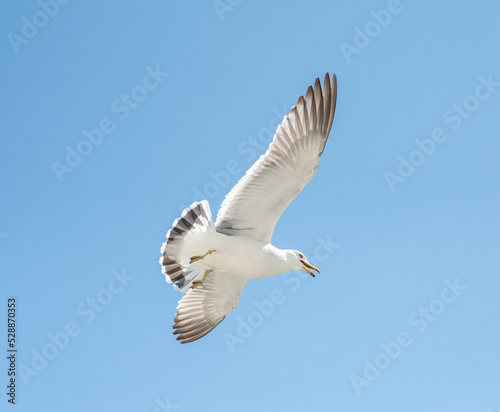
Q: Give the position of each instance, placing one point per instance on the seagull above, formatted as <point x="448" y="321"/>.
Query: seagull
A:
<point x="211" y="262"/>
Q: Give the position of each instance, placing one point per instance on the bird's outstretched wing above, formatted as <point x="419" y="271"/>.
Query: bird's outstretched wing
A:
<point x="203" y="308"/>
<point x="254" y="205"/>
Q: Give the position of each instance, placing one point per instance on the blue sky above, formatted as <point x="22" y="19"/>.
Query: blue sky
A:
<point x="116" y="115"/>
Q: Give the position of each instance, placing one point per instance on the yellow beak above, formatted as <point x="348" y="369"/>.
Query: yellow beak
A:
<point x="308" y="265"/>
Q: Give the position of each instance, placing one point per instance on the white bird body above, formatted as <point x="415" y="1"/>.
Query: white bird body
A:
<point x="261" y="259"/>
<point x="212" y="262"/>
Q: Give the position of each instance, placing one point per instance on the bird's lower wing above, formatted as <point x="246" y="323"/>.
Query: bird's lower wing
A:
<point x="204" y="307"/>
<point x="252" y="208"/>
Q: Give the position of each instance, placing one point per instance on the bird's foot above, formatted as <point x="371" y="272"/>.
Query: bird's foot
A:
<point x="200" y="282"/>
<point x="200" y="257"/>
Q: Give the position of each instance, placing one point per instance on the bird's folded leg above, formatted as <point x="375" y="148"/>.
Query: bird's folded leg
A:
<point x="197" y="283"/>
<point x="199" y="257"/>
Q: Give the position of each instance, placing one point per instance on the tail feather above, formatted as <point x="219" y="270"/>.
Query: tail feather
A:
<point x="195" y="218"/>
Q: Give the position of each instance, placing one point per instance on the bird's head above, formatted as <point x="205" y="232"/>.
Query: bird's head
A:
<point x="300" y="262"/>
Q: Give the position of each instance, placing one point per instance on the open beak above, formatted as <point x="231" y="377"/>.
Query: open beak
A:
<point x="308" y="266"/>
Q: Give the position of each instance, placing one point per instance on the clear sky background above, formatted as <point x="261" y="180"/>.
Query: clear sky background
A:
<point x="405" y="313"/>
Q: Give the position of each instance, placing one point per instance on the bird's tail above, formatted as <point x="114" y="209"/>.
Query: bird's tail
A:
<point x="194" y="223"/>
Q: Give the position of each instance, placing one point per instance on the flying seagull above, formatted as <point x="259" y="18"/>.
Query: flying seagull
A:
<point x="212" y="262"/>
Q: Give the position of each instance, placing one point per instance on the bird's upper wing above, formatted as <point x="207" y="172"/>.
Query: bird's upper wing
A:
<point x="252" y="208"/>
<point x="203" y="308"/>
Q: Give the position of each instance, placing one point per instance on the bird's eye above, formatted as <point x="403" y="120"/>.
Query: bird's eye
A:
<point x="301" y="256"/>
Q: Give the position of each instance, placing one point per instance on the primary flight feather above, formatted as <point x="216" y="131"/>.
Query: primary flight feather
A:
<point x="212" y="262"/>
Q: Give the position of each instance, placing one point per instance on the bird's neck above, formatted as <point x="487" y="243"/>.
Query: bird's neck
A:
<point x="288" y="260"/>
<point x="280" y="260"/>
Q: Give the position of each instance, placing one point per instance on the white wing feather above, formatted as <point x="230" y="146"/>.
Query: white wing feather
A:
<point x="203" y="308"/>
<point x="254" y="205"/>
